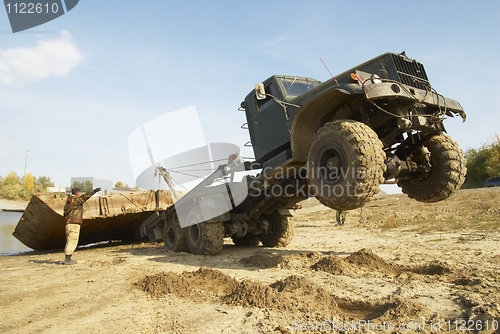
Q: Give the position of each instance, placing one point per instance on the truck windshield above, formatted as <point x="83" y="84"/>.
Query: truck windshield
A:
<point x="295" y="87"/>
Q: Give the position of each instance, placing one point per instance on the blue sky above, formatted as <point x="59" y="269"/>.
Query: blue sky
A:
<point x="74" y="89"/>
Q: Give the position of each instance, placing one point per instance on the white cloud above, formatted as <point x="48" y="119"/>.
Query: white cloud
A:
<point x="54" y="57"/>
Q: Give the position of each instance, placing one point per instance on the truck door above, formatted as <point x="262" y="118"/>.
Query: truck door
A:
<point x="271" y="125"/>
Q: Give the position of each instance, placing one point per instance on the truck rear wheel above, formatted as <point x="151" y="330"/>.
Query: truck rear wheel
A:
<point x="174" y="237"/>
<point x="204" y="238"/>
<point x="248" y="240"/>
<point x="280" y="231"/>
<point x="445" y="176"/>
<point x="345" y="164"/>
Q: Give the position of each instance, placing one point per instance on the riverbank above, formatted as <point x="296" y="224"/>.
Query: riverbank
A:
<point x="12" y="205"/>
<point x="399" y="263"/>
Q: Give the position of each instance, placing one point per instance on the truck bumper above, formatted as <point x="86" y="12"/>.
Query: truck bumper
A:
<point x="396" y="90"/>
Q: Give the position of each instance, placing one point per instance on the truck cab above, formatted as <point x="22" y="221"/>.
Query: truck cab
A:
<point x="270" y="115"/>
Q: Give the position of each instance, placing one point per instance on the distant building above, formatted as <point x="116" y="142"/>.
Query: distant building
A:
<point x="87" y="184"/>
<point x="56" y="189"/>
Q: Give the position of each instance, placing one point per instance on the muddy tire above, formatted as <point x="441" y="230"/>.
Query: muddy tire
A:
<point x="204" y="238"/>
<point x="281" y="230"/>
<point x="446" y="176"/>
<point x="345" y="164"/>
<point x="174" y="237"/>
<point x="248" y="240"/>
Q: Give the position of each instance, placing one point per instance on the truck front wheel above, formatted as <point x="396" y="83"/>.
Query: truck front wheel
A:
<point x="204" y="238"/>
<point x="345" y="164"/>
<point x="443" y="177"/>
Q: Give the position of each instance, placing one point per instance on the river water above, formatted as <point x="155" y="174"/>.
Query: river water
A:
<point x="9" y="244"/>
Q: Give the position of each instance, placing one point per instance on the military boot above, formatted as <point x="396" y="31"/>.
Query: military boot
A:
<point x="68" y="260"/>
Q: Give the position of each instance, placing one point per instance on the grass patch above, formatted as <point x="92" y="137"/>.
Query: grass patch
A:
<point x="453" y="224"/>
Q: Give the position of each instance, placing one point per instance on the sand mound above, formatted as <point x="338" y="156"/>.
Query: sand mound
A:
<point x="249" y="293"/>
<point x="294" y="294"/>
<point x="334" y="265"/>
<point x="292" y="261"/>
<point x="467" y="281"/>
<point x="365" y="262"/>
<point x="299" y="261"/>
<point x="300" y="296"/>
<point x="433" y="268"/>
<point x="185" y="284"/>
<point x="368" y="260"/>
<point x="262" y="261"/>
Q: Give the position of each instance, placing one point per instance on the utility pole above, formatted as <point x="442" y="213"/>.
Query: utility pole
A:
<point x="25" y="165"/>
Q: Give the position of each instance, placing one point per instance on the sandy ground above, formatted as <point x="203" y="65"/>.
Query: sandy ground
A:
<point x="399" y="266"/>
<point x="12" y="205"/>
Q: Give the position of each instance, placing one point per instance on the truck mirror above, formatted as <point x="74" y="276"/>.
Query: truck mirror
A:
<point x="260" y="91"/>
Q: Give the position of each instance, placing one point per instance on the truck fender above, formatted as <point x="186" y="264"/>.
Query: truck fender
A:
<point x="314" y="114"/>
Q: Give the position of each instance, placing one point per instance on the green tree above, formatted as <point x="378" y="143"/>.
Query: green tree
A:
<point x="493" y="162"/>
<point x="11" y="191"/>
<point x="84" y="187"/>
<point x="120" y="184"/>
<point x="476" y="167"/>
<point x="482" y="164"/>
<point x="77" y="184"/>
<point x="11" y="187"/>
<point x="88" y="186"/>
<point x="12" y="179"/>
<point x="14" y="187"/>
<point x="29" y="184"/>
<point x="42" y="182"/>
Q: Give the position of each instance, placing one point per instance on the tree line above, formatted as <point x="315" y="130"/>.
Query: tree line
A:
<point x="14" y="187"/>
<point x="482" y="163"/>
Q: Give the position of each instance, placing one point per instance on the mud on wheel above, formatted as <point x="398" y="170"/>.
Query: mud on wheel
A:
<point x="204" y="238"/>
<point x="174" y="237"/>
<point x="445" y="176"/>
<point x="345" y="164"/>
<point x="280" y="232"/>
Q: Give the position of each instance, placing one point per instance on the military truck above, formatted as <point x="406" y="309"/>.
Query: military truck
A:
<point x="338" y="140"/>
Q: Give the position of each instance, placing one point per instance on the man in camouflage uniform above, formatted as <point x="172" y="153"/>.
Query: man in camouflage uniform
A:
<point x="73" y="213"/>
